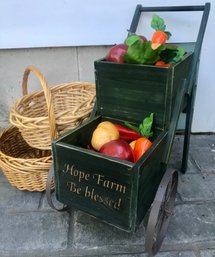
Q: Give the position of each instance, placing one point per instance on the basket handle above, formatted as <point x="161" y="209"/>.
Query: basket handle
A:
<point x="47" y="93"/>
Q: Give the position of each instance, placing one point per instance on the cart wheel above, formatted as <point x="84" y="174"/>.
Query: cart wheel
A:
<point x="161" y="211"/>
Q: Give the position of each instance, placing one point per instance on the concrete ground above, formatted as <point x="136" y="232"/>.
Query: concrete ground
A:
<point x="29" y="227"/>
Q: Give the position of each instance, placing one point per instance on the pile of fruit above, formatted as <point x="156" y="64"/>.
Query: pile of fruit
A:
<point x="124" y="142"/>
<point x="138" y="50"/>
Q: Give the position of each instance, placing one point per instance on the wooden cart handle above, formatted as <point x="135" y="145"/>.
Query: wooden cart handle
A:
<point x="47" y="94"/>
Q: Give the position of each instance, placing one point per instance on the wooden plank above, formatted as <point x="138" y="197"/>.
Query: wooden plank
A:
<point x="132" y="92"/>
<point x="99" y="185"/>
<point x="116" y="191"/>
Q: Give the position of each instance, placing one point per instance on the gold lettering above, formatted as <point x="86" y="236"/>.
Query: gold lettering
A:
<point x="120" y="188"/>
<point x="109" y="184"/>
<point x="113" y="185"/>
<point x="87" y="176"/>
<point x="109" y="202"/>
<point x="99" y="178"/>
<point x="96" y="198"/>
<point x="66" y="166"/>
<point x="87" y="192"/>
<point x="106" y="184"/>
<point x="81" y="175"/>
<point x="74" y="172"/>
<point x="73" y="188"/>
<point x="117" y="204"/>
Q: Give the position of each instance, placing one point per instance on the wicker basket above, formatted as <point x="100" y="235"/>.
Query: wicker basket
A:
<point x="45" y="114"/>
<point x="25" y="167"/>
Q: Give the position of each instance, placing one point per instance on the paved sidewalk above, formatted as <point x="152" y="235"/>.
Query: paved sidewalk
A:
<point x="30" y="228"/>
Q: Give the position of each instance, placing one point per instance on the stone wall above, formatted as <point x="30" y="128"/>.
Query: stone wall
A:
<point x="58" y="65"/>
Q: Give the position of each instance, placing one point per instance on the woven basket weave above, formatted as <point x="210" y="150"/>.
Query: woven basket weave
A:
<point x="45" y="114"/>
<point x="25" y="167"/>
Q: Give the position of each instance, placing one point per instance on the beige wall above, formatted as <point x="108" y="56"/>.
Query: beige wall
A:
<point x="57" y="64"/>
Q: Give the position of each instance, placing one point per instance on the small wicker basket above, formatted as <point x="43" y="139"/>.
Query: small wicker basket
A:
<point x="43" y="115"/>
<point x="25" y="167"/>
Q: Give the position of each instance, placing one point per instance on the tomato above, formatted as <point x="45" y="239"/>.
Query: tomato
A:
<point x="161" y="63"/>
<point x="141" y="146"/>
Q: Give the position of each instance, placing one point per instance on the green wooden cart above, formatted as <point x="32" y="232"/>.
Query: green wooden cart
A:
<point x="119" y="192"/>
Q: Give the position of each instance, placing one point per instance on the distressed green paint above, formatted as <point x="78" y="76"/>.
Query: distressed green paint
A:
<point x="132" y="92"/>
<point x="108" y="178"/>
<point x="116" y="191"/>
<point x="125" y="183"/>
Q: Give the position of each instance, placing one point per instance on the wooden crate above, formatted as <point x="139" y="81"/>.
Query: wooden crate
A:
<point x="116" y="191"/>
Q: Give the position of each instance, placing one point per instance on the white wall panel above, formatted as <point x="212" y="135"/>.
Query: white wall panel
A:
<point x="55" y="23"/>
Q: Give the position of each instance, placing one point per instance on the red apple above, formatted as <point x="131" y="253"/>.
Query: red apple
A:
<point x="143" y="38"/>
<point x="116" y="53"/>
<point x="118" y="148"/>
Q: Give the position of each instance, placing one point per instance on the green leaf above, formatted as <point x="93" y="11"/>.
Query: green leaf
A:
<point x="129" y="125"/>
<point x="141" y="53"/>
<point x="168" y="34"/>
<point x="144" y="128"/>
<point x="150" y="55"/>
<point x="130" y="40"/>
<point x="135" y="52"/>
<point x="179" y="54"/>
<point x="172" y="54"/>
<point x="157" y="23"/>
<point x="168" y="55"/>
<point x="146" y="125"/>
<point x="171" y="47"/>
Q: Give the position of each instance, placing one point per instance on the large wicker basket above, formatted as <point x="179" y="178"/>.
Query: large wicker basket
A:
<point x="45" y="114"/>
<point x="25" y="167"/>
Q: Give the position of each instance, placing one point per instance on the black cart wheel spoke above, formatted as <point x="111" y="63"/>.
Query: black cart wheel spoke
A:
<point x="161" y="211"/>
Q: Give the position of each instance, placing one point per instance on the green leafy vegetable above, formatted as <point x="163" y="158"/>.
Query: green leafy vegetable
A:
<point x="145" y="127"/>
<point x="157" y="23"/>
<point x="179" y="54"/>
<point x="168" y="34"/>
<point x="130" y="40"/>
<point x="168" y="54"/>
<point x="172" y="54"/>
<point x="142" y="53"/>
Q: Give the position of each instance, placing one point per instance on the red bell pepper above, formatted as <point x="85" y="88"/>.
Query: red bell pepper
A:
<point x="127" y="134"/>
<point x="141" y="146"/>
